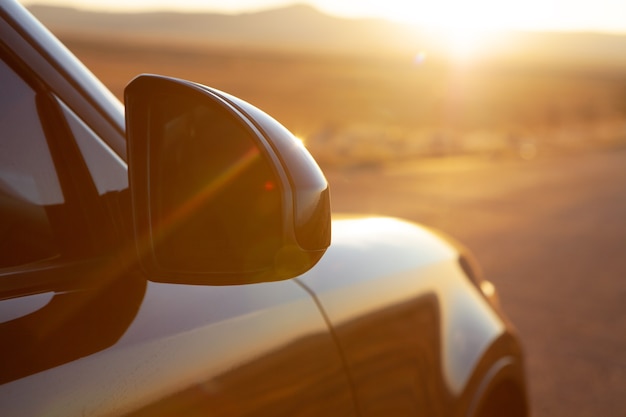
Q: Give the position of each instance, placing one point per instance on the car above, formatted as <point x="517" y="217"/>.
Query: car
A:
<point x="176" y="257"/>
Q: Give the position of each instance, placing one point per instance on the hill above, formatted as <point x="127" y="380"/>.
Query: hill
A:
<point x="298" y="27"/>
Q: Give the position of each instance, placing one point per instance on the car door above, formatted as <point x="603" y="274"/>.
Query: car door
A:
<point x="84" y="332"/>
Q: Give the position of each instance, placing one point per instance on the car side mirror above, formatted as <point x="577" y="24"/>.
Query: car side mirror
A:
<point x="221" y="193"/>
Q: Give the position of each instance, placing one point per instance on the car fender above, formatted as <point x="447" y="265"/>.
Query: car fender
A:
<point x="376" y="264"/>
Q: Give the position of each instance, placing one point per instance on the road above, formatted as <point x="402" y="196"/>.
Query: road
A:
<point x="551" y="234"/>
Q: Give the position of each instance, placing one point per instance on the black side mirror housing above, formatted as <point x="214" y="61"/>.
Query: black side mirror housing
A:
<point x="222" y="194"/>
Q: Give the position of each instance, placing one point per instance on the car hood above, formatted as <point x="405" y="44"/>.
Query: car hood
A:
<point x="368" y="246"/>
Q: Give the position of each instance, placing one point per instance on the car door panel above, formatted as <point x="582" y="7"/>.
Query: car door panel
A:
<point x="270" y="353"/>
<point x="223" y="351"/>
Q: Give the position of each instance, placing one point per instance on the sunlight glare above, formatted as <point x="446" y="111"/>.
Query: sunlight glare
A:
<point x="420" y="58"/>
<point x="463" y="43"/>
<point x="463" y="30"/>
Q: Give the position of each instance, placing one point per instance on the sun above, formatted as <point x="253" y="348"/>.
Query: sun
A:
<point x="464" y="44"/>
<point x="462" y="32"/>
<point x="462" y="29"/>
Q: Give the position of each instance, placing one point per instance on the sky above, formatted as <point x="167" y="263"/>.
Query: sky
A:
<point x="444" y="15"/>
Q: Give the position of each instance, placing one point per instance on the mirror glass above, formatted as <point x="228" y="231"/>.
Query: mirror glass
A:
<point x="218" y="203"/>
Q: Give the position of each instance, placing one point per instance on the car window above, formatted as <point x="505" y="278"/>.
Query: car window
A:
<point x="107" y="169"/>
<point x="30" y="191"/>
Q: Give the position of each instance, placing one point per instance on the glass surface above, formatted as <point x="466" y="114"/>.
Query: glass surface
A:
<point x="30" y="192"/>
<point x="214" y="200"/>
<point x="107" y="169"/>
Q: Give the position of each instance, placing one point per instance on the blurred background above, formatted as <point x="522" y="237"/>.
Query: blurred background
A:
<point x="443" y="79"/>
<point x="501" y="123"/>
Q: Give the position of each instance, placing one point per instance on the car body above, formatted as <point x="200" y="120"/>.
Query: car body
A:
<point x="394" y="319"/>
